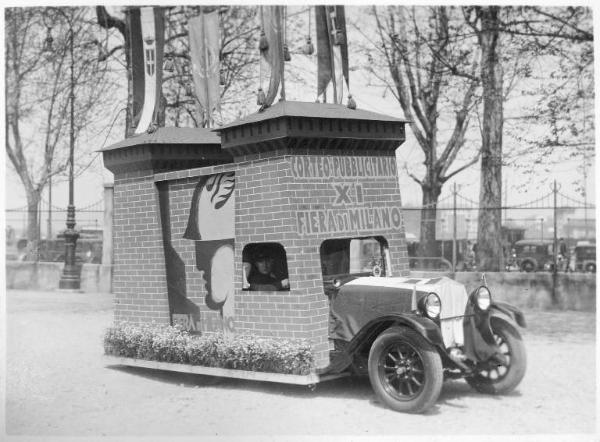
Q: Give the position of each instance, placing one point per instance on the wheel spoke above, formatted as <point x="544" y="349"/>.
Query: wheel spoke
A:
<point x="410" y="390"/>
<point x="392" y="356"/>
<point x="400" y="354"/>
<point x="416" y="381"/>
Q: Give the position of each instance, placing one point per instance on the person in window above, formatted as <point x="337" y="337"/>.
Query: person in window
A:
<point x="262" y="276"/>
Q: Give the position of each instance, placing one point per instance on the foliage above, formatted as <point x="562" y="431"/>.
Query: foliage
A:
<point x="242" y="352"/>
<point x="38" y="94"/>
<point x="549" y="51"/>
<point x="550" y="108"/>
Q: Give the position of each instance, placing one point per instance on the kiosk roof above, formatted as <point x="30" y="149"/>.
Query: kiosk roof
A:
<point x="170" y="135"/>
<point x="310" y="110"/>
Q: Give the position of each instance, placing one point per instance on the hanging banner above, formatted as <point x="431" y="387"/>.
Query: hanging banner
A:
<point x="146" y="27"/>
<point x="272" y="57"/>
<point x="205" y="45"/>
<point x="332" y="50"/>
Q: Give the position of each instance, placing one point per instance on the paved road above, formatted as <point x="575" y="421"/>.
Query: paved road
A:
<point x="58" y="385"/>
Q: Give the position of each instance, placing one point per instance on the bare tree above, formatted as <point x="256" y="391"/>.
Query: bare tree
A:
<point x="38" y="89"/>
<point x="485" y="22"/>
<point x="433" y="75"/>
<point x="544" y="30"/>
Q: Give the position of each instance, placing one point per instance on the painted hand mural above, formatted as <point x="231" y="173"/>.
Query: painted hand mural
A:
<point x="211" y="225"/>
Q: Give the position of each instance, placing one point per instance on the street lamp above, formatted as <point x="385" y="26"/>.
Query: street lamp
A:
<point x="70" y="277"/>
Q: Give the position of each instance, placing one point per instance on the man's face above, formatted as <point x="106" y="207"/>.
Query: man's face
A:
<point x="263" y="265"/>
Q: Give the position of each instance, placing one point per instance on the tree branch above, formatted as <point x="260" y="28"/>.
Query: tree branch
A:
<point x="460" y="169"/>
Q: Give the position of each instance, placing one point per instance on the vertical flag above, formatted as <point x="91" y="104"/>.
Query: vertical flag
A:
<point x="271" y="59"/>
<point x="205" y="45"/>
<point x="332" y="50"/>
<point x="146" y="43"/>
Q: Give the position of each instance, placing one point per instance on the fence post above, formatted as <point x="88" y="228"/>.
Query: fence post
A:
<point x="555" y="248"/>
<point x="107" y="231"/>
<point x="454" y="232"/>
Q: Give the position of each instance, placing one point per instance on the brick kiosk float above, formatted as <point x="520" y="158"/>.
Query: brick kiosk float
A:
<point x="295" y="181"/>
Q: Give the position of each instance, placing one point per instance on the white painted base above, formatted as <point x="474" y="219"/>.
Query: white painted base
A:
<point x="309" y="379"/>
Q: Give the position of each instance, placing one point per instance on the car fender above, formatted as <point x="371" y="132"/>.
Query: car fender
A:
<point x="503" y="311"/>
<point x="422" y="325"/>
<point x="507" y="312"/>
<point x="479" y="337"/>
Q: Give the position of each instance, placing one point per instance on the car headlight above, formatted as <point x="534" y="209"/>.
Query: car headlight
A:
<point x="432" y="305"/>
<point x="483" y="298"/>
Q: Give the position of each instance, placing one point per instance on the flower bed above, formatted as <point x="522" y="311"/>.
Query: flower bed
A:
<point x="242" y="352"/>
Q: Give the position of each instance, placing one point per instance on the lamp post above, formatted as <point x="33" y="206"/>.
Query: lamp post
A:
<point x="70" y="277"/>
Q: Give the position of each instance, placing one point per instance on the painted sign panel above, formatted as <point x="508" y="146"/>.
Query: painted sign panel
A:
<point x="318" y="222"/>
<point x="310" y="167"/>
<point x="342" y="205"/>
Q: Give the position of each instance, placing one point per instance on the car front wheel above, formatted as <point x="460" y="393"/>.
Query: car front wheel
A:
<point x="494" y="377"/>
<point x="405" y="370"/>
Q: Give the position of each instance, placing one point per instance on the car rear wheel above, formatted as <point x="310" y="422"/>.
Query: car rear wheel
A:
<point x="527" y="266"/>
<point x="591" y="268"/>
<point x="405" y="370"/>
<point x="493" y="377"/>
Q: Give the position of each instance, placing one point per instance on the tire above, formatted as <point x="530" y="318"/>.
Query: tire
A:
<point x="405" y="370"/>
<point x="527" y="266"/>
<point x="494" y="378"/>
<point x="591" y="268"/>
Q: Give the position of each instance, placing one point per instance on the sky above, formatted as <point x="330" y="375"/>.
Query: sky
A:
<point x="89" y="186"/>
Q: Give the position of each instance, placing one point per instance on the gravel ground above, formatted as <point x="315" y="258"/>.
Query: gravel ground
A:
<point x="59" y="385"/>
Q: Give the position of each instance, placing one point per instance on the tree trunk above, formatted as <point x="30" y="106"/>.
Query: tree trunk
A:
<point x="428" y="247"/>
<point x="489" y="239"/>
<point x="33" y="224"/>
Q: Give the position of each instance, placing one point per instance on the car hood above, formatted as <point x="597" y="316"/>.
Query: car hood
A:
<point x="364" y="299"/>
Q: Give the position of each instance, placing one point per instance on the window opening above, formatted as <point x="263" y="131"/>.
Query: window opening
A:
<point x="265" y="267"/>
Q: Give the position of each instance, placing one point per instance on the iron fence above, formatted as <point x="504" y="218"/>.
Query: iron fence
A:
<point x="555" y="219"/>
<point x="51" y="223"/>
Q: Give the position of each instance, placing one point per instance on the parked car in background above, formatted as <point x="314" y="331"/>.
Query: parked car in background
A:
<point x="534" y="255"/>
<point x="88" y="249"/>
<point x="585" y="257"/>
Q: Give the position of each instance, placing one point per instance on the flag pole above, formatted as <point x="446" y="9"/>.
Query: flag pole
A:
<point x="331" y="54"/>
<point x="282" y="23"/>
<point x="205" y="66"/>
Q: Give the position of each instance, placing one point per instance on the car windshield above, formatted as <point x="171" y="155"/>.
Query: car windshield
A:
<point x="585" y="252"/>
<point x="353" y="256"/>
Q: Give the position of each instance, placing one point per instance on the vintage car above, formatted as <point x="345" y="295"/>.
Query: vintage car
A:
<point x="88" y="250"/>
<point x="585" y="257"/>
<point x="409" y="334"/>
<point x="534" y="255"/>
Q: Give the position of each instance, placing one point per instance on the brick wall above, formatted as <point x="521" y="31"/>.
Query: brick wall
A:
<point x="139" y="284"/>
